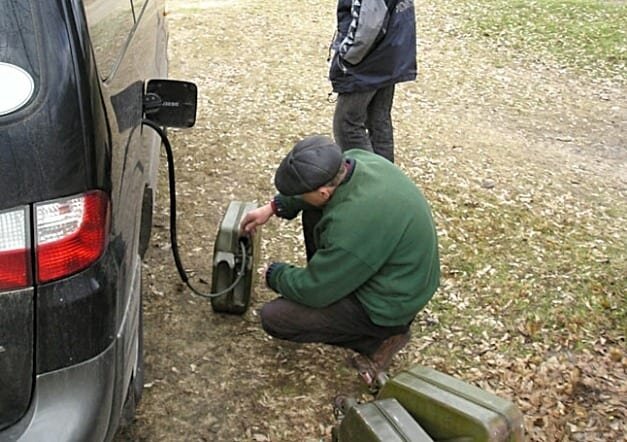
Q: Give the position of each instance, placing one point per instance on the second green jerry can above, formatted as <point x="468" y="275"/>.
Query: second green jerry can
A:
<point x="452" y="410"/>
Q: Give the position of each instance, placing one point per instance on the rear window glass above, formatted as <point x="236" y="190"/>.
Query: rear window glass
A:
<point x="18" y="36"/>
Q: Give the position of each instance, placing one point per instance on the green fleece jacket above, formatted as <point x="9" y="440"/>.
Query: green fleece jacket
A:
<point x="376" y="238"/>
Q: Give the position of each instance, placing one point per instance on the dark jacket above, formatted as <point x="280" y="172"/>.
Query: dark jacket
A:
<point x="374" y="46"/>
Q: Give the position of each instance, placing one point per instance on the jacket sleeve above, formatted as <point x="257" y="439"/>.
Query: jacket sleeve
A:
<point x="368" y="20"/>
<point x="288" y="207"/>
<point x="332" y="274"/>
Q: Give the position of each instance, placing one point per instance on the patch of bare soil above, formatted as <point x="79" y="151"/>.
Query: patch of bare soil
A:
<point x="526" y="131"/>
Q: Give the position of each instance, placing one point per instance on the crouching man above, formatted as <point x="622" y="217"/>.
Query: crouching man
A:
<point x="374" y="262"/>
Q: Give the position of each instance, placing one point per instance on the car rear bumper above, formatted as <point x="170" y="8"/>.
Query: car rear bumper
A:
<point x="82" y="402"/>
<point x="70" y="404"/>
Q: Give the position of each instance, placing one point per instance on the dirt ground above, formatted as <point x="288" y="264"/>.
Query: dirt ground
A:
<point x="528" y="128"/>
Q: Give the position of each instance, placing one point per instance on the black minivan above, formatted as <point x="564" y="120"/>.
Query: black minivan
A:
<point x="77" y="177"/>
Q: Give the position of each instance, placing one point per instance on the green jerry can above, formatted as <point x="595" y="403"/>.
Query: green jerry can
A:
<point x="234" y="257"/>
<point x="378" y="421"/>
<point x="452" y="410"/>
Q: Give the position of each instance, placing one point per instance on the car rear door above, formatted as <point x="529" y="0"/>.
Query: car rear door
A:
<point x="19" y="83"/>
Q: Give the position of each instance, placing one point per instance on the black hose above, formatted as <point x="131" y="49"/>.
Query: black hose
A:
<point x="173" y="239"/>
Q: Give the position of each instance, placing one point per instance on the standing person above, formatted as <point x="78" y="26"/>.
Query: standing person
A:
<point x="373" y="49"/>
<point x="375" y="263"/>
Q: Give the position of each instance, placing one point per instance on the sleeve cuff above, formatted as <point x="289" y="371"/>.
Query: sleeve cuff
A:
<point x="278" y="208"/>
<point x="271" y="274"/>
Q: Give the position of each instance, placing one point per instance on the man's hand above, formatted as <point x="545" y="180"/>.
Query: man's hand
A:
<point x="254" y="218"/>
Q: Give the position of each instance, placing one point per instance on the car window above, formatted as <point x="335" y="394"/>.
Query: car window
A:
<point x="18" y="37"/>
<point x="110" y="23"/>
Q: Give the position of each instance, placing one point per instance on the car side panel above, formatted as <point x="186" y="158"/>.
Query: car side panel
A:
<point x="133" y="155"/>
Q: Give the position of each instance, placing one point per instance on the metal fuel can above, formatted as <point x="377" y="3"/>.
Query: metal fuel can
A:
<point x="234" y="254"/>
<point x="451" y="409"/>
<point x="379" y="421"/>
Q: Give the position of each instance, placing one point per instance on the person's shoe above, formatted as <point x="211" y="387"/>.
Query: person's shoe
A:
<point x="366" y="369"/>
<point x="382" y="358"/>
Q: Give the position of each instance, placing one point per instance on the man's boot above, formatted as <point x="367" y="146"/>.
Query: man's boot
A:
<point x="382" y="358"/>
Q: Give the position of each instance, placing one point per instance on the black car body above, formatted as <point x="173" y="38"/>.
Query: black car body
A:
<point x="77" y="173"/>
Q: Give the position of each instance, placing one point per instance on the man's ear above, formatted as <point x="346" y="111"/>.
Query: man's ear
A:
<point x="325" y="192"/>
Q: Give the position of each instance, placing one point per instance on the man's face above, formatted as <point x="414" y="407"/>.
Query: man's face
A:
<point x="318" y="197"/>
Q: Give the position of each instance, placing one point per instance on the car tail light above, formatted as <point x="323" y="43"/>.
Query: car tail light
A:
<point x="70" y="234"/>
<point x="14" y="250"/>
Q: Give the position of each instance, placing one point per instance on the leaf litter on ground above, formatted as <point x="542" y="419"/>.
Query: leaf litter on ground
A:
<point x="524" y="160"/>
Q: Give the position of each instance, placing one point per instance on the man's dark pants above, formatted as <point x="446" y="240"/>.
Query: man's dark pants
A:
<point x="344" y="323"/>
<point x="363" y="120"/>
